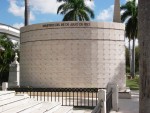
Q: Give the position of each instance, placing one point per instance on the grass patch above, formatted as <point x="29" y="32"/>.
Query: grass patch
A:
<point x="133" y="84"/>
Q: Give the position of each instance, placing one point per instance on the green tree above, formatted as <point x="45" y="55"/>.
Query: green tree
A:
<point x="7" y="52"/>
<point x="75" y="10"/>
<point x="129" y="17"/>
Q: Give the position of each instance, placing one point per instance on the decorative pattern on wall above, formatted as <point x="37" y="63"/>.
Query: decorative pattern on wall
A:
<point x="73" y="57"/>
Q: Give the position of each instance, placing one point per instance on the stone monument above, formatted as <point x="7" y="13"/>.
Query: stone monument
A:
<point x="14" y="73"/>
<point x="74" y="54"/>
<point x="117" y="16"/>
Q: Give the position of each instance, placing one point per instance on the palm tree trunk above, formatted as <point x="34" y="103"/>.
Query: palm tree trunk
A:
<point x="130" y="55"/>
<point x="144" y="44"/>
<point x="27" y="13"/>
<point x="133" y="59"/>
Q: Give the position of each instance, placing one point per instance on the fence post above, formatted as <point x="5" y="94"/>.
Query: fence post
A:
<point x="102" y="99"/>
<point x="114" y="88"/>
<point x="4" y="86"/>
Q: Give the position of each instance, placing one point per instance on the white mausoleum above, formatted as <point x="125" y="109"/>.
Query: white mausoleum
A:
<point x="73" y="55"/>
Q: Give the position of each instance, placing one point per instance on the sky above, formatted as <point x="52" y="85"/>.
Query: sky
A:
<point x="12" y="11"/>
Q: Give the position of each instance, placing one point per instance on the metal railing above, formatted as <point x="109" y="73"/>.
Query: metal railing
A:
<point x="109" y="101"/>
<point x="78" y="97"/>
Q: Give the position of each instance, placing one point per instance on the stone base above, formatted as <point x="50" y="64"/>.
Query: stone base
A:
<point x="125" y="94"/>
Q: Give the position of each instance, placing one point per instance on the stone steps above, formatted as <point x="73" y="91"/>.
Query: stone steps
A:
<point x="46" y="106"/>
<point x="27" y="107"/>
<point x="5" y="95"/>
<point x="12" y="103"/>
<point x="62" y="109"/>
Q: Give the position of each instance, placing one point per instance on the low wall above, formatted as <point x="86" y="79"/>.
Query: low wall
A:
<point x="72" y="55"/>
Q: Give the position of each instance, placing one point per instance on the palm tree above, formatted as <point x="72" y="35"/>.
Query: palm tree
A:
<point x="75" y="10"/>
<point x="129" y="16"/>
<point x="7" y="53"/>
<point x="144" y="43"/>
<point x="26" y="14"/>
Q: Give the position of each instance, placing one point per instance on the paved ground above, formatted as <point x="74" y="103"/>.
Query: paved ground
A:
<point x="125" y="105"/>
<point x="129" y="105"/>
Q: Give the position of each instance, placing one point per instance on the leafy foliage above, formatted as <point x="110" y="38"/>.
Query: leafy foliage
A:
<point x="75" y="10"/>
<point x="130" y="17"/>
<point x="7" y="52"/>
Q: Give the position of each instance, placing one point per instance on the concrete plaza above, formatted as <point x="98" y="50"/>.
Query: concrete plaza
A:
<point x="129" y="105"/>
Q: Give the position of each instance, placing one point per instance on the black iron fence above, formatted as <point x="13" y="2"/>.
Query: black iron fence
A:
<point x="78" y="97"/>
<point x="109" y="101"/>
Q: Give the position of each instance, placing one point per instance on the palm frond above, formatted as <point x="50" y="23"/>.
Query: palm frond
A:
<point x="69" y="16"/>
<point x="60" y="8"/>
<point x="62" y="0"/>
<point x="129" y="16"/>
<point x="71" y="10"/>
<point x="90" y="11"/>
<point x="126" y="15"/>
<point x="84" y="16"/>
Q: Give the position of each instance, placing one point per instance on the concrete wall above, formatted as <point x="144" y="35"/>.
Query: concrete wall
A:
<point x="73" y="54"/>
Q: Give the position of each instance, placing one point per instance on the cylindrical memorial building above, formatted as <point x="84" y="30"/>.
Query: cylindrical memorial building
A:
<point x="73" y="55"/>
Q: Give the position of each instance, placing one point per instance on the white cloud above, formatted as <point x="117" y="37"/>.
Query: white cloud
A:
<point x="106" y="14"/>
<point x="51" y="6"/>
<point x="46" y="6"/>
<point x="17" y="9"/>
<point x="18" y="25"/>
<point x="90" y="3"/>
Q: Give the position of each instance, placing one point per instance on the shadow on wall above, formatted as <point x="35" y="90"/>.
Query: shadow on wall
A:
<point x="118" y="78"/>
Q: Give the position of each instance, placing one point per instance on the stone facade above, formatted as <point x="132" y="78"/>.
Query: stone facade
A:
<point x="72" y="55"/>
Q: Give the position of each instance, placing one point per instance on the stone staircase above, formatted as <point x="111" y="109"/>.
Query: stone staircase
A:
<point x="21" y="103"/>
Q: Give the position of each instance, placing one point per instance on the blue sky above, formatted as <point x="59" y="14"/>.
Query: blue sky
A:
<point x="12" y="11"/>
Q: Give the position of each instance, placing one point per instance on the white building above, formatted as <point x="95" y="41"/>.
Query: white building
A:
<point x="11" y="32"/>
